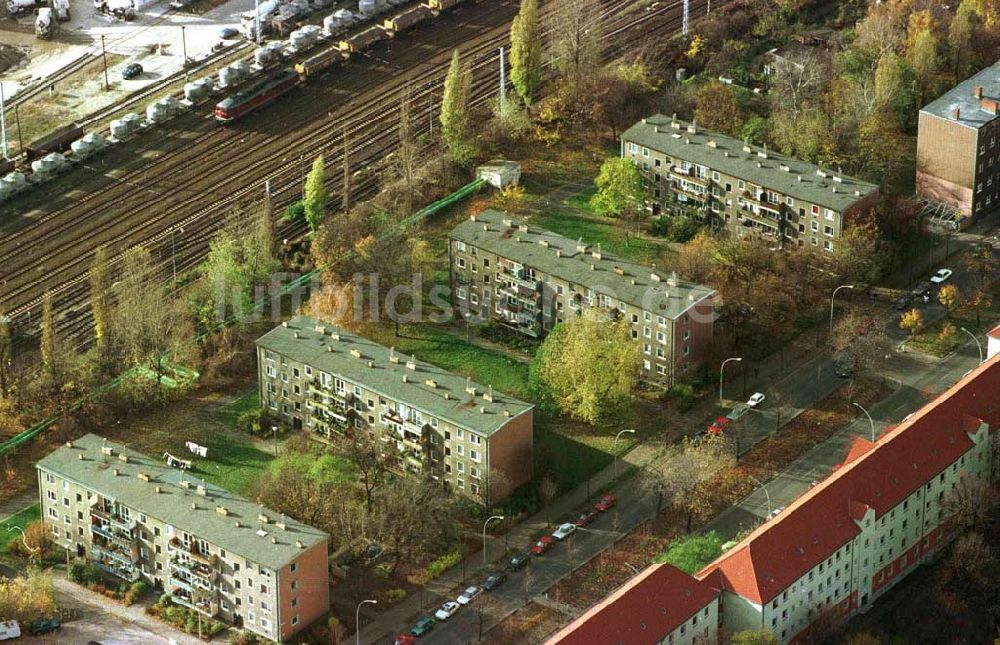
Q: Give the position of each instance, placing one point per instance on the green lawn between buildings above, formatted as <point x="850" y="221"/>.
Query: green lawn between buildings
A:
<point x="20" y="519"/>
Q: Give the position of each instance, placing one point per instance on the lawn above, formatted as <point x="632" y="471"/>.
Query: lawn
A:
<point x="20" y="519"/>
<point x="570" y="453"/>
<point x="601" y="231"/>
<point x="454" y="354"/>
<point x="232" y="464"/>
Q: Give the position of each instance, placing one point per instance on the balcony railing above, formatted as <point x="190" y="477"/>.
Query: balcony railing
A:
<point x="701" y="197"/>
<point x="205" y="606"/>
<point x="130" y="574"/>
<point x="111" y="518"/>
<point x="181" y="583"/>
<point x="125" y="557"/>
<point x="113" y="535"/>
<point x="689" y="175"/>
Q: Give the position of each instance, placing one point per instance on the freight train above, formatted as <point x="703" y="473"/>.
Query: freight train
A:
<point x="283" y="81"/>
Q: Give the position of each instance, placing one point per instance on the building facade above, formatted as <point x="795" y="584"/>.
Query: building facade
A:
<point x="743" y="189"/>
<point x="438" y="423"/>
<point x="531" y="279"/>
<point x="958" y="159"/>
<point x="851" y="537"/>
<point x="217" y="553"/>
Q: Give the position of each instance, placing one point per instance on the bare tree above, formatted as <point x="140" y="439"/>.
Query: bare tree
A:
<point x="971" y="503"/>
<point x="547" y="490"/>
<point x="574" y="36"/>
<point x="860" y="340"/>
<point x="372" y="463"/>
<point x="796" y="80"/>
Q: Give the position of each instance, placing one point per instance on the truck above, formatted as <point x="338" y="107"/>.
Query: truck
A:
<point x="45" y="23"/>
<point x="9" y="629"/>
<point x="18" y="7"/>
<point x="61" y="7"/>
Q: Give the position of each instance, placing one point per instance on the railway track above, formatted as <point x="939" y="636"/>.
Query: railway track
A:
<point x="182" y="228"/>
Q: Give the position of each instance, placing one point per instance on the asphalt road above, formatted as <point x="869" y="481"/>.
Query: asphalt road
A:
<point x="916" y="379"/>
<point x="541" y="573"/>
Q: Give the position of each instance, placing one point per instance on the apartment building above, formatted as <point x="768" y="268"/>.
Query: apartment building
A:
<point x="215" y="552"/>
<point x="438" y="423"/>
<point x="746" y="190"/>
<point x="662" y="604"/>
<point x="531" y="279"/>
<point x="850" y="538"/>
<point x="958" y="160"/>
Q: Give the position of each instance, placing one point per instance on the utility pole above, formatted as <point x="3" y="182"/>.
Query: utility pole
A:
<point x="104" y="56"/>
<point x="503" y="83"/>
<point x="184" y="46"/>
<point x="3" y="126"/>
<point x="687" y="18"/>
<point x="20" y="138"/>
<point x="256" y="21"/>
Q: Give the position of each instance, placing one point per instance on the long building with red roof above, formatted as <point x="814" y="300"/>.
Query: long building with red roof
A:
<point x="839" y="546"/>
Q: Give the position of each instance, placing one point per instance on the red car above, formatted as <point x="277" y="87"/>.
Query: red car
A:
<point x="718" y="426"/>
<point x="405" y="639"/>
<point x="606" y="502"/>
<point x="544" y="544"/>
<point x="586" y="517"/>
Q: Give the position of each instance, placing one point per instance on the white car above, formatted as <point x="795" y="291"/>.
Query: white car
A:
<point x="941" y="276"/>
<point x="468" y="595"/>
<point x="756" y="399"/>
<point x="564" y="531"/>
<point x="447" y="610"/>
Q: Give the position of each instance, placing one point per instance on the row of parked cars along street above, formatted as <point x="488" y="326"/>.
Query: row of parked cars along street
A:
<point x="519" y="561"/>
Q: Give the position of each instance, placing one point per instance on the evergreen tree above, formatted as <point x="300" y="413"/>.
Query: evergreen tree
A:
<point x="100" y="286"/>
<point x="526" y="51"/>
<point x="455" y="110"/>
<point x="316" y="194"/>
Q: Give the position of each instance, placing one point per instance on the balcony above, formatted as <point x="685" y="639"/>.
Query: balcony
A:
<point x="392" y="419"/>
<point x="116" y="536"/>
<point x="689" y="175"/>
<point x="120" y="556"/>
<point x="180" y="583"/>
<point x="192" y="600"/>
<point x="175" y="548"/>
<point x="129" y="574"/>
<point x="519" y="276"/>
<point x="690" y="194"/>
<point x="111" y="518"/>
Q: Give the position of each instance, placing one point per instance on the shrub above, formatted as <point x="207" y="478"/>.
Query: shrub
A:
<point x="395" y="595"/>
<point x="295" y="211"/>
<point x="683" y="396"/>
<point x="27" y="597"/>
<point x="256" y="422"/>
<point x="135" y="592"/>
<point x="442" y="564"/>
<point x="676" y="228"/>
<point x="383" y="570"/>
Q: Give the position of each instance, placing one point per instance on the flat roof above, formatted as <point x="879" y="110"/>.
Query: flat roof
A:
<point x="963" y="97"/>
<point x="800" y="181"/>
<point x="84" y="462"/>
<point x="336" y="351"/>
<point x="558" y="256"/>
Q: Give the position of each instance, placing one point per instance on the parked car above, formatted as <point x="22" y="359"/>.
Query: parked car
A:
<point x="606" y="502"/>
<point x="922" y="289"/>
<point x="902" y="302"/>
<point x="756" y="399"/>
<point x="468" y="595"/>
<point x="518" y="562"/>
<point x="775" y="511"/>
<point x="564" y="531"/>
<point x="9" y="629"/>
<point x="228" y="32"/>
<point x="843" y="368"/>
<point x="404" y="639"/>
<point x="424" y="625"/>
<point x="494" y="580"/>
<point x="941" y="276"/>
<point x="586" y="517"/>
<point x="543" y="545"/>
<point x="447" y="610"/>
<point x="44" y="626"/>
<point x="719" y="426"/>
<point x="132" y="70"/>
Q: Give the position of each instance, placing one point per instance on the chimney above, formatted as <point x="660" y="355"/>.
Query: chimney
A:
<point x="978" y="92"/>
<point x="956" y="114"/>
<point x="201" y="490"/>
<point x="392" y="355"/>
<point x="672" y="280"/>
<point x="122" y="457"/>
<point x="596" y="254"/>
<point x="298" y="544"/>
<point x="262" y="518"/>
<point x="158" y="490"/>
<point x="142" y="477"/>
<point x="284" y="323"/>
<point x="580" y="246"/>
<point x="469" y="388"/>
<point x="431" y="383"/>
<point x="114" y="471"/>
<point x="489" y="394"/>
<point x="321" y="330"/>
<point x="472" y="217"/>
<point x="654" y="277"/>
<point x="412" y="363"/>
<point x="222" y="510"/>
<point x="523" y="228"/>
<point x="692" y="128"/>
<point x="356" y="353"/>
<point x="712" y="144"/>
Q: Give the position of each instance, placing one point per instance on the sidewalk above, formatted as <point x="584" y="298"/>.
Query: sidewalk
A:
<point x="399" y="617"/>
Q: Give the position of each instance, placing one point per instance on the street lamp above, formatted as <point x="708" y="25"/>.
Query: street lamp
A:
<point x="722" y="367"/>
<point x="766" y="494"/>
<point x="615" y="443"/>
<point x="488" y="520"/>
<point x="870" y="421"/>
<point x="357" y="619"/>
<point x="978" y="344"/>
<point x="843" y="286"/>
<point x="274" y="433"/>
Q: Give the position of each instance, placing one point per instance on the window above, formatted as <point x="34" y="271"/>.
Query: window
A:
<point x="828" y="230"/>
<point x="460" y="246"/>
<point x="645" y="151"/>
<point x="661" y="321"/>
<point x="461" y="293"/>
<point x="461" y="263"/>
<point x="51" y="495"/>
<point x="473" y="455"/>
<point x="741" y="185"/>
<point x="474" y="298"/>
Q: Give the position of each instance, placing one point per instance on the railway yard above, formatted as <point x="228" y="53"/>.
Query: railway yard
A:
<point x="169" y="188"/>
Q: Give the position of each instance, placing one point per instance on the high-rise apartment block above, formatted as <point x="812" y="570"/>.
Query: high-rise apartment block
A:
<point x="215" y="552"/>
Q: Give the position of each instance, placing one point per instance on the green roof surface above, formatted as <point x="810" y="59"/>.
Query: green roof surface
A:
<point x="656" y="133"/>
<point x="963" y="97"/>
<point x="560" y="256"/>
<point x="328" y="348"/>
<point x="173" y="504"/>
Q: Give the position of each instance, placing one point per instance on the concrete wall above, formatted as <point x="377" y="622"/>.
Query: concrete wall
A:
<point x="305" y="593"/>
<point x="946" y="161"/>
<point x="510" y="452"/>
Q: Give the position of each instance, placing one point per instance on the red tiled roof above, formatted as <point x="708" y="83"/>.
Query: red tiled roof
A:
<point x="995" y="332"/>
<point x="642" y="611"/>
<point x="819" y="522"/>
